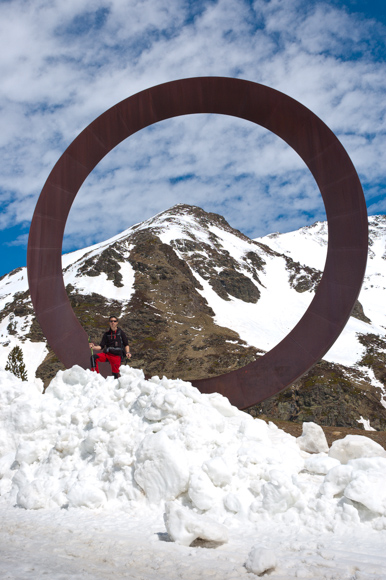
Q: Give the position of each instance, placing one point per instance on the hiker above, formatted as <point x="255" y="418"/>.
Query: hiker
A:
<point x="115" y="345"/>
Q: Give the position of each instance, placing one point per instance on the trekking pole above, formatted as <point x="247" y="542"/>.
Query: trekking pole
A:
<point x="92" y="354"/>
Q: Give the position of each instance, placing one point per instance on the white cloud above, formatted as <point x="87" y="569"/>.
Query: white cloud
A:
<point x="64" y="63"/>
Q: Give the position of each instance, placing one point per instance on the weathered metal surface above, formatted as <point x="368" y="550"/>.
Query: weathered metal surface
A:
<point x="322" y="152"/>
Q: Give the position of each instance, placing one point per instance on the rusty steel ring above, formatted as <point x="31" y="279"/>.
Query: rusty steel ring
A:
<point x="321" y="151"/>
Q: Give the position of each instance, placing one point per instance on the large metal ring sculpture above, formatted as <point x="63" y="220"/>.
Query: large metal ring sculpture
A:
<point x="304" y="132"/>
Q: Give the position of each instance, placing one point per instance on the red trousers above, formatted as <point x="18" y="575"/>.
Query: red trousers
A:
<point x="113" y="359"/>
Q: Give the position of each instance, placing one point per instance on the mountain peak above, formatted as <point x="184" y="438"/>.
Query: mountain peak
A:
<point x="185" y="217"/>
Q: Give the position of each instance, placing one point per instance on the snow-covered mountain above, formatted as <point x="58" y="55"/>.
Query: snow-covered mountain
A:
<point x="198" y="298"/>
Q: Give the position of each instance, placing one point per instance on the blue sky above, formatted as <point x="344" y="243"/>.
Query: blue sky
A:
<point x="64" y="63"/>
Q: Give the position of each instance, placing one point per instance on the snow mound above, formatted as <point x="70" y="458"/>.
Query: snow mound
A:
<point x="312" y="438"/>
<point x="135" y="445"/>
<point x="260" y="560"/>
<point x="354" y="447"/>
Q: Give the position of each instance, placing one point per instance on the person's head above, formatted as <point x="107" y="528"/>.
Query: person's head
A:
<point x="113" y="321"/>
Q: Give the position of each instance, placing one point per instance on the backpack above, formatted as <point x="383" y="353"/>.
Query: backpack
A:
<point x="118" y="348"/>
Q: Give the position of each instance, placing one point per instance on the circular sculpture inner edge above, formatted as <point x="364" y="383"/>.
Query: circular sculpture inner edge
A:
<point x="316" y="144"/>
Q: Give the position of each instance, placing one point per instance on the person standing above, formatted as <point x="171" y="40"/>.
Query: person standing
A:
<point x="115" y="347"/>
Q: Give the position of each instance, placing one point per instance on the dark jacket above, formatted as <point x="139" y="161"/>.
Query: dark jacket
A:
<point x="114" y="342"/>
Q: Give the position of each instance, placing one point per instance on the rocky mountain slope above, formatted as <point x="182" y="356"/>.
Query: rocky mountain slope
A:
<point x="198" y="298"/>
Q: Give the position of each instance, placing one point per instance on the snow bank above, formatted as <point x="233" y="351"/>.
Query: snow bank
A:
<point x="354" y="447"/>
<point x="137" y="445"/>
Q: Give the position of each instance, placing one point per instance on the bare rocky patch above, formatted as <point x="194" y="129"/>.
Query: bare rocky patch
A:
<point x="329" y="394"/>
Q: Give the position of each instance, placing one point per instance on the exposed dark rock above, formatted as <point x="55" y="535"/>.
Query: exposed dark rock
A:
<point x="375" y="355"/>
<point x="11" y="327"/>
<point x="233" y="283"/>
<point x="142" y="260"/>
<point x="359" y="314"/>
<point x="20" y="306"/>
<point x="328" y="394"/>
<point x="107" y="262"/>
<point x="302" y="278"/>
<point x="207" y="259"/>
<point x="35" y="333"/>
<point x="254" y="262"/>
<point x="47" y="370"/>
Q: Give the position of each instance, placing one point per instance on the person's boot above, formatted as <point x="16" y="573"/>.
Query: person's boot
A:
<point x="116" y="375"/>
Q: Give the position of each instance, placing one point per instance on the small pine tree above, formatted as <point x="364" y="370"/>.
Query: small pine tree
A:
<point x="15" y="363"/>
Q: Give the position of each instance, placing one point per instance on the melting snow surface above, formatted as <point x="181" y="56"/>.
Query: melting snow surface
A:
<point x="151" y="479"/>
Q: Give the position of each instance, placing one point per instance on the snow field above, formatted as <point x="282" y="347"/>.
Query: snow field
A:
<point x="308" y="245"/>
<point x="105" y="471"/>
<point x="263" y="324"/>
